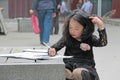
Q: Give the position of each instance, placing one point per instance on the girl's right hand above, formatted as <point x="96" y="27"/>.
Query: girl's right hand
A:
<point x="52" y="52"/>
<point x="98" y="21"/>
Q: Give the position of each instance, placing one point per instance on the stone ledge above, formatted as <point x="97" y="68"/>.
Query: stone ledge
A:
<point x="34" y="71"/>
<point x="25" y="69"/>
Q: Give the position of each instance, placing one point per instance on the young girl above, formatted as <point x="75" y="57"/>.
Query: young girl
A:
<point x="79" y="40"/>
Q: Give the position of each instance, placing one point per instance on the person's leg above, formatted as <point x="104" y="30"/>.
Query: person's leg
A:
<point x="81" y="74"/>
<point x="41" y="15"/>
<point x="53" y="25"/>
<point x="47" y="25"/>
<point x="56" y="24"/>
<point x="69" y="75"/>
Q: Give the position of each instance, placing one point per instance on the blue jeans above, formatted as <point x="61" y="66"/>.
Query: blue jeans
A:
<point x="45" y="21"/>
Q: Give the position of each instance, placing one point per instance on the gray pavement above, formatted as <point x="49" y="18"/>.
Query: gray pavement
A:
<point x="14" y="38"/>
<point x="107" y="58"/>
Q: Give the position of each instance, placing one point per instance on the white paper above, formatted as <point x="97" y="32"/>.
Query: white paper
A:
<point x="31" y="55"/>
<point x="36" y="50"/>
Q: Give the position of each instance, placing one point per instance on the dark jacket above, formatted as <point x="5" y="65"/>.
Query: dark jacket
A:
<point x="82" y="58"/>
<point x="58" y="2"/>
<point x="79" y="55"/>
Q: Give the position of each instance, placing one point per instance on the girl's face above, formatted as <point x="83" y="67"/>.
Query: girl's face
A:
<point x="75" y="29"/>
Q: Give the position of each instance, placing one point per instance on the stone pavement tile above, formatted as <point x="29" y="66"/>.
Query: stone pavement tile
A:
<point x="5" y="50"/>
<point x="2" y="60"/>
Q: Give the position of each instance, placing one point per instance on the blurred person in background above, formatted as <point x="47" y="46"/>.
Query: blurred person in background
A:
<point x="45" y="10"/>
<point x="64" y="9"/>
<point x="87" y="6"/>
<point x="55" y="21"/>
<point x="79" y="4"/>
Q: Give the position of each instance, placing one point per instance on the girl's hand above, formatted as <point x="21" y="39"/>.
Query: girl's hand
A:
<point x="98" y="21"/>
<point x="84" y="46"/>
<point x="52" y="52"/>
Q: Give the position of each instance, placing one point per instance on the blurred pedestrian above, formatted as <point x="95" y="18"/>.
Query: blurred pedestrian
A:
<point x="87" y="6"/>
<point x="64" y="9"/>
<point x="44" y="9"/>
<point x="73" y="4"/>
<point x="55" y="21"/>
<point x="79" y="4"/>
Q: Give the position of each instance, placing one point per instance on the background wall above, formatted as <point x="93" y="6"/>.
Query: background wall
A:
<point x="116" y="5"/>
<point x="19" y="8"/>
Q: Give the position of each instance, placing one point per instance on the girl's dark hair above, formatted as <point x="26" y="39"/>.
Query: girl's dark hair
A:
<point x="84" y="20"/>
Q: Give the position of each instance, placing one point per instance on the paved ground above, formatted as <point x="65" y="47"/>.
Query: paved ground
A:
<point x="22" y="39"/>
<point x="107" y="58"/>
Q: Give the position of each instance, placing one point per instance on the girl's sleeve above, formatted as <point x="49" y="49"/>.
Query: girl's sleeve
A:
<point x="102" y="40"/>
<point x="60" y="44"/>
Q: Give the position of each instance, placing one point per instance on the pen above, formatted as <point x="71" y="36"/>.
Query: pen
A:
<point x="46" y="45"/>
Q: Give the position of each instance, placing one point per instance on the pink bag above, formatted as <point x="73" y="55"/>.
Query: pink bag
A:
<point x="35" y="25"/>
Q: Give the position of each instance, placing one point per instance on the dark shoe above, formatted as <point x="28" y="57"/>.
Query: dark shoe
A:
<point x="56" y="33"/>
<point x="2" y="33"/>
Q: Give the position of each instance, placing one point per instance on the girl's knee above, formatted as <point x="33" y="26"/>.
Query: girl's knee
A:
<point x="79" y="70"/>
<point x="68" y="74"/>
<point x="77" y="73"/>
